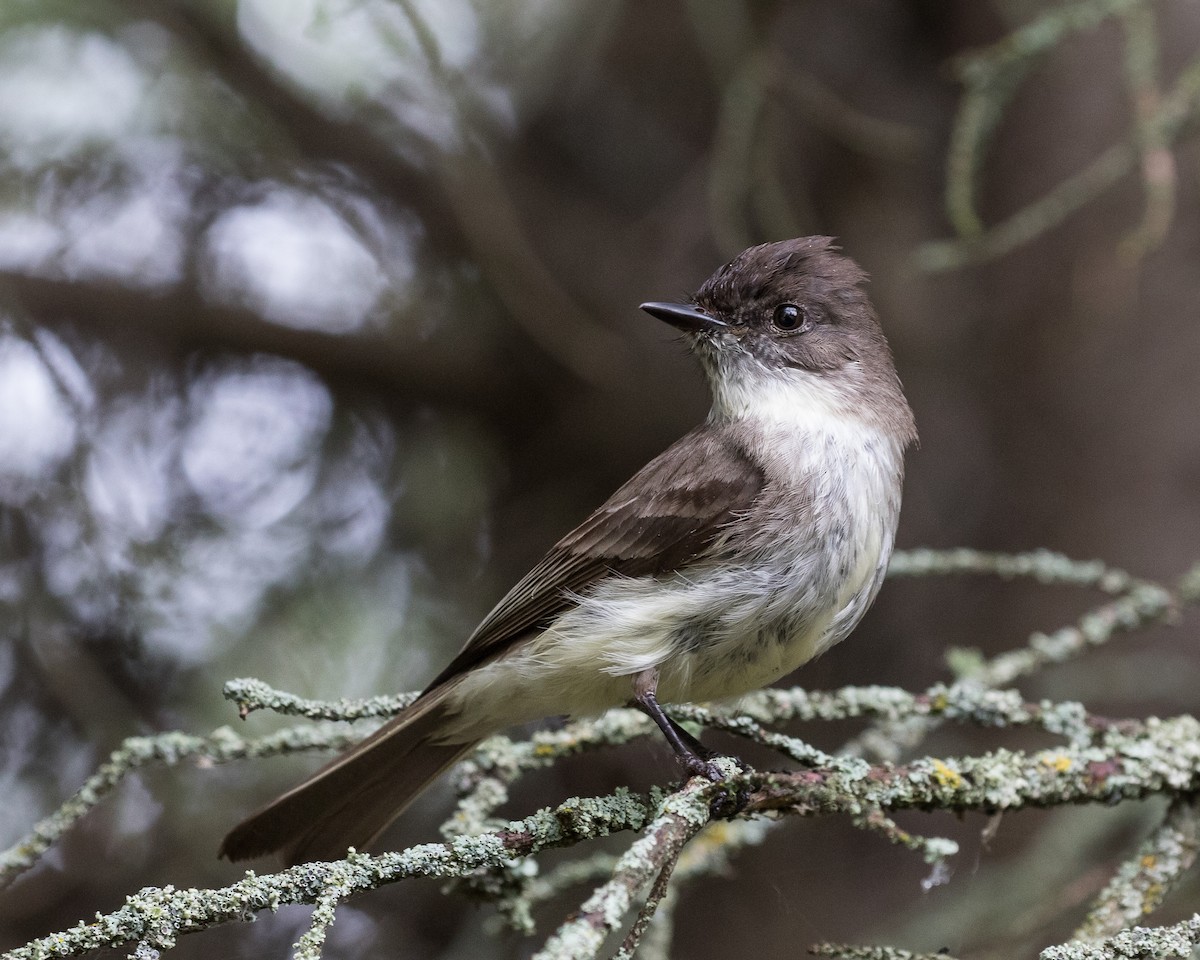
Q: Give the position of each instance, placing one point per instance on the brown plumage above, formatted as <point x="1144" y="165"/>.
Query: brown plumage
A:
<point x="657" y="522"/>
<point x="747" y="547"/>
<point x="350" y="800"/>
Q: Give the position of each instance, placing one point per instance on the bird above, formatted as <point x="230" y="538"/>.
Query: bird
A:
<point x="749" y="546"/>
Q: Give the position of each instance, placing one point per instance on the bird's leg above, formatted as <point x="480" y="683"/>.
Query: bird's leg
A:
<point x="694" y="755"/>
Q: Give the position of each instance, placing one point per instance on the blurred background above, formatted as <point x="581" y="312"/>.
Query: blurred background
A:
<point x="318" y="324"/>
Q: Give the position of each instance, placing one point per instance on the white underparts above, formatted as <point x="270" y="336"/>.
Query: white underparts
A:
<point x="796" y="575"/>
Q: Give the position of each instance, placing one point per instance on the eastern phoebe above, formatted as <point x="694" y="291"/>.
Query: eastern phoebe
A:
<point x="750" y="546"/>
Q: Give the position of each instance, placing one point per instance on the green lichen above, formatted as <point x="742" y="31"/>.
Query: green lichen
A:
<point x="1152" y="943"/>
<point x="1098" y="761"/>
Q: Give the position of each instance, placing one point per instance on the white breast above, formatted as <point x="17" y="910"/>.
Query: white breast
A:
<point x="800" y="570"/>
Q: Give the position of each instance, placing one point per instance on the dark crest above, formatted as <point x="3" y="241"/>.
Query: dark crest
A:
<point x="761" y="270"/>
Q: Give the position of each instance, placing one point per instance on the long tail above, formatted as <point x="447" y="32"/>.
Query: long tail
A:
<point x="350" y="801"/>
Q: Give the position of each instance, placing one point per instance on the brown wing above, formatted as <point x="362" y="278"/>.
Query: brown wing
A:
<point x="656" y="523"/>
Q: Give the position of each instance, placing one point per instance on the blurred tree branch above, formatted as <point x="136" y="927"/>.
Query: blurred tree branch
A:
<point x="355" y="143"/>
<point x="1101" y="760"/>
<point x="991" y="78"/>
<point x="1139" y="887"/>
<point x="180" y="319"/>
<point x="759" y="88"/>
<point x="458" y="195"/>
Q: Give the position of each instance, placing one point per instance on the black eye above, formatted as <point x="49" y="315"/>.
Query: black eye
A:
<point x="788" y="316"/>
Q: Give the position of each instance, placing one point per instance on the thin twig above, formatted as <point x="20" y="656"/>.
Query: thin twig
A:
<point x="682" y="816"/>
<point x="250" y="695"/>
<point x="1177" y="940"/>
<point x="846" y="951"/>
<point x="166" y="749"/>
<point x="1139" y="887"/>
<point x="992" y="77"/>
<point x="649" y="910"/>
<point x="1156" y="161"/>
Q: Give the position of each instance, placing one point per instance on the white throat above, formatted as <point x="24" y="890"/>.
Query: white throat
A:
<point x="791" y="397"/>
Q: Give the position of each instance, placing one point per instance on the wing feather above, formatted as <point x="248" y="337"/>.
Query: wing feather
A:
<point x="661" y="519"/>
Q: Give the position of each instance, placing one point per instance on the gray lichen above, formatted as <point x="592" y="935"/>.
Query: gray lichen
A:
<point x="250" y="695"/>
<point x="1152" y="943"/>
<point x="1139" y="886"/>
<point x="1098" y="761"/>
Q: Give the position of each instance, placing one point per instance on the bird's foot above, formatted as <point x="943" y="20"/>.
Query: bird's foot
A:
<point x="696" y="758"/>
<point x="729" y="800"/>
<point x="698" y="766"/>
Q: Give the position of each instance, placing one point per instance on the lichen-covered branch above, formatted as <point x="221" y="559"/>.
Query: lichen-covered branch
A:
<point x="1147" y="877"/>
<point x="680" y="818"/>
<point x="1138" y="604"/>
<point x="657" y="899"/>
<point x="992" y="76"/>
<point x="845" y="951"/>
<point x="157" y="916"/>
<point x="165" y="749"/>
<point x="250" y="695"/>
<point x="308" y="947"/>
<point x="1099" y="760"/>
<point x="1152" y="943"/>
<point x="1129" y="760"/>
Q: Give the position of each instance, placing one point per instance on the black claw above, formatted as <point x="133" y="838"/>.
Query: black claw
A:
<point x="702" y="767"/>
<point x="729" y="802"/>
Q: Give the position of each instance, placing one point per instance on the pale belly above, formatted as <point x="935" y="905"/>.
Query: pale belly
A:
<point x="792" y="580"/>
<point x="713" y="637"/>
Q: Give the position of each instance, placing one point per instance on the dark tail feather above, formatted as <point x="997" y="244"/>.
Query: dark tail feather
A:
<point x="350" y="801"/>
